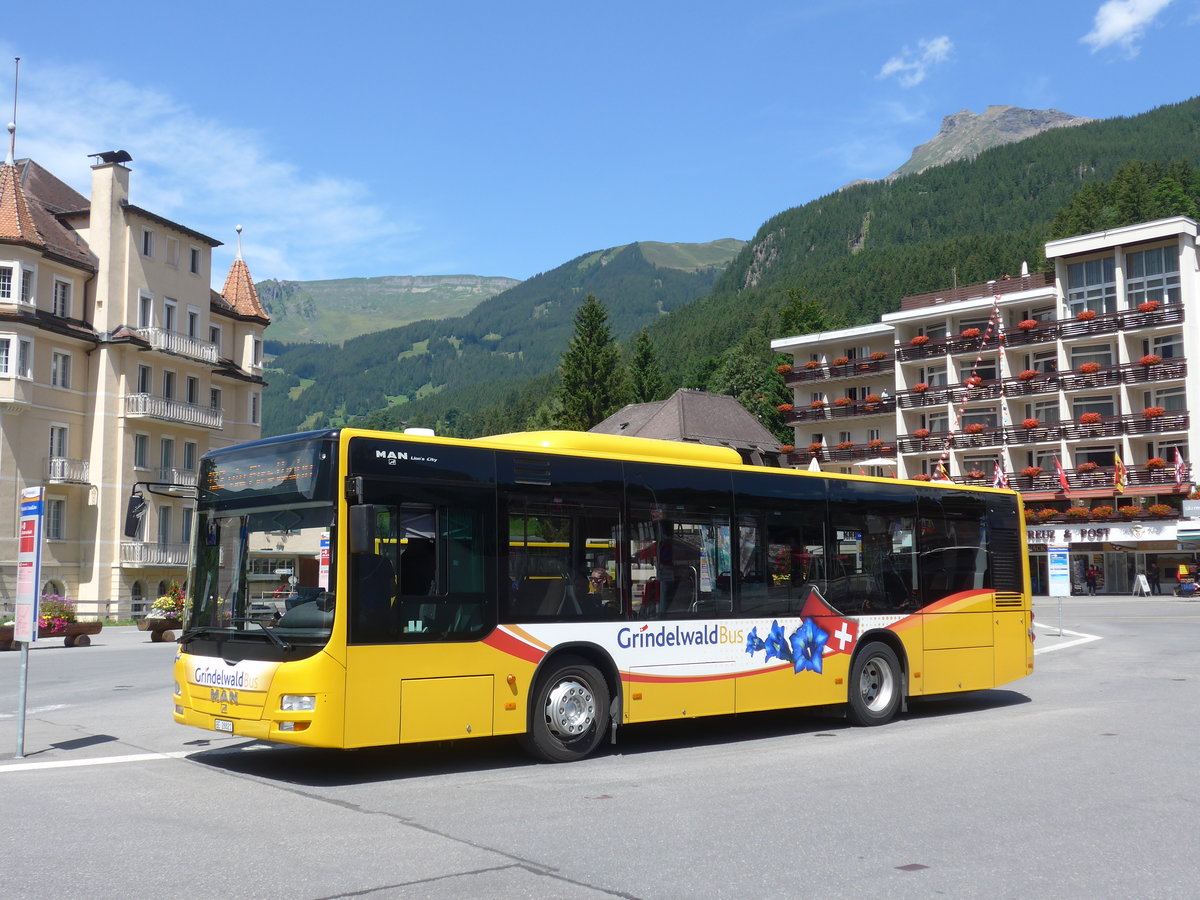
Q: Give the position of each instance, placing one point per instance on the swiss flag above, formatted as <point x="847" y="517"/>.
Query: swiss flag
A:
<point x="842" y="632"/>
<point x="1062" y="476"/>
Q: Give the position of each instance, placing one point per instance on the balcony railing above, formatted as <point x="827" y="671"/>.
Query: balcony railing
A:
<point x="1066" y="329"/>
<point x="831" y="455"/>
<point x="180" y="344"/>
<point x="142" y="553"/>
<point x="62" y="470"/>
<point x="1092" y="480"/>
<point x="851" y="369"/>
<point x="833" y="411"/>
<point x="175" y="476"/>
<point x="1045" y="383"/>
<point x="1048" y="432"/>
<point x="146" y="406"/>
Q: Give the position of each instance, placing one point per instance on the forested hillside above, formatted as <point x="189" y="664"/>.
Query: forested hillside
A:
<point x="510" y="337"/>
<point x="858" y="251"/>
<point x="855" y="253"/>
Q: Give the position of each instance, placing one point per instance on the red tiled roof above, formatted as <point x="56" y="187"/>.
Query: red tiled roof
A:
<point x="48" y="199"/>
<point x="240" y="293"/>
<point x="16" y="222"/>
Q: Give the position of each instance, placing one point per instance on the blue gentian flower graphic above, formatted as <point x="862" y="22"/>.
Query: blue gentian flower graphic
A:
<point x="808" y="645"/>
<point x="753" y="642"/>
<point x="776" y="644"/>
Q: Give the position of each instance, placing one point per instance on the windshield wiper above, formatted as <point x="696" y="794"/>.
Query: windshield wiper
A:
<point x="275" y="639"/>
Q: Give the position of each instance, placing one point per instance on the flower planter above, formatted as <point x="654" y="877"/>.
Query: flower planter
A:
<point x="160" y="629"/>
<point x="75" y="635"/>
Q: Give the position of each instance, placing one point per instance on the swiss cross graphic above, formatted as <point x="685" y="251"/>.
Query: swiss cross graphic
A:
<point x="843" y="636"/>
<point x="842" y="632"/>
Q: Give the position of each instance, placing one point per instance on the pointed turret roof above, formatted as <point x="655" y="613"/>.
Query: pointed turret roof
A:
<point x="16" y="222"/>
<point x="239" y="289"/>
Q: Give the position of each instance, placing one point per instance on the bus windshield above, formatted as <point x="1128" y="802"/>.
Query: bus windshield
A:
<point x="259" y="575"/>
<point x="262" y="571"/>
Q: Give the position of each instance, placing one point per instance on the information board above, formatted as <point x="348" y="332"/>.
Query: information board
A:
<point x="1059" y="564"/>
<point x="29" y="565"/>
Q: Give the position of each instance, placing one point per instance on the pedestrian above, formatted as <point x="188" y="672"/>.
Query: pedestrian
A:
<point x="1153" y="573"/>
<point x="1090" y="578"/>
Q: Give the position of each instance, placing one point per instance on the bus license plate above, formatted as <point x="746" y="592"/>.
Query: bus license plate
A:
<point x="223" y="725"/>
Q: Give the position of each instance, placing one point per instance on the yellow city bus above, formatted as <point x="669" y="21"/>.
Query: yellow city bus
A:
<point x="557" y="585"/>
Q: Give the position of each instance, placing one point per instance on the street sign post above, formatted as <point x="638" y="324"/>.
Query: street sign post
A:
<point x="29" y="580"/>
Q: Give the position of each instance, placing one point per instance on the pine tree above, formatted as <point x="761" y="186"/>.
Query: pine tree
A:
<point x="645" y="371"/>
<point x="592" y="386"/>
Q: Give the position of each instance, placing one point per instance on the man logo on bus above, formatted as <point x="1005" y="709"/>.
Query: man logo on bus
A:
<point x="391" y="455"/>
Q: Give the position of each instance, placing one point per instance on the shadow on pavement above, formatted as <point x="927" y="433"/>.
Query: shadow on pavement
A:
<point x="334" y="768"/>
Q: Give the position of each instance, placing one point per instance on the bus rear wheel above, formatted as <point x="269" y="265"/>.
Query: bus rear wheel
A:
<point x="569" y="713"/>
<point x="875" y="685"/>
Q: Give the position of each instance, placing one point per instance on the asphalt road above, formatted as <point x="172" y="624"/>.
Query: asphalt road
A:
<point x="1080" y="781"/>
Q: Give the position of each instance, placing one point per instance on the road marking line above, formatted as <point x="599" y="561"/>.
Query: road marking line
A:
<point x="36" y="710"/>
<point x="1081" y="638"/>
<point x="95" y="761"/>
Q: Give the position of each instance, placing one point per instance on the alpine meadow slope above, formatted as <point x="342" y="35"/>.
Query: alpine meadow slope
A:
<point x="506" y="339"/>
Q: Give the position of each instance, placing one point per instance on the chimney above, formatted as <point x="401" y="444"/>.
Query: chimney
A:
<point x="106" y="235"/>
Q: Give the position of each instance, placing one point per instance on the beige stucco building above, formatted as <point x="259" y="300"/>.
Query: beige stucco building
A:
<point x="119" y="366"/>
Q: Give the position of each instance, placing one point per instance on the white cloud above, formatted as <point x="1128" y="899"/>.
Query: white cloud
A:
<point x="910" y="68"/>
<point x="299" y="222"/>
<point x="1123" y="22"/>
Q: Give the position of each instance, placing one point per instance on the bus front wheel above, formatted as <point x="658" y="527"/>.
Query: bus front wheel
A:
<point x="570" y="712"/>
<point x="875" y="685"/>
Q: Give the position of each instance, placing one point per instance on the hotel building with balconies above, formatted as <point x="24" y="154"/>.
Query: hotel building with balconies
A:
<point x="1074" y="383"/>
<point x="119" y="366"/>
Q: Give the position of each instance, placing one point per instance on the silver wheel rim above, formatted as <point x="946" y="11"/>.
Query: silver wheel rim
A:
<point x="570" y="709"/>
<point x="876" y="685"/>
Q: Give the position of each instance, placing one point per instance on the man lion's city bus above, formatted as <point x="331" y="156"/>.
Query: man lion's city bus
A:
<point x="556" y="585"/>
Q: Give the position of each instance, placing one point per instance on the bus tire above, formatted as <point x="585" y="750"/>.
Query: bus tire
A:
<point x="569" y="713"/>
<point x="875" y="685"/>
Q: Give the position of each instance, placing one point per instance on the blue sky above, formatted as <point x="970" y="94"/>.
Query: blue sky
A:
<point x="361" y="139"/>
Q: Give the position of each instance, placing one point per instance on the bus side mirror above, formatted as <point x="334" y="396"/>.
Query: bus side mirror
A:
<point x="135" y="512"/>
<point x="362" y="528"/>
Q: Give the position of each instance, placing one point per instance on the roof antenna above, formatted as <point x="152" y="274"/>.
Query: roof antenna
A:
<point x="10" y="160"/>
<point x="238" y="229"/>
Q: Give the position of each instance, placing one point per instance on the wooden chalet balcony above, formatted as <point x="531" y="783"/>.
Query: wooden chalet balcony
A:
<point x="851" y="369"/>
<point x="144" y="406"/>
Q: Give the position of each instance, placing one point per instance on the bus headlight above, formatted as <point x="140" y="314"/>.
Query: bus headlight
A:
<point x="177" y="690"/>
<point x="298" y="702"/>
